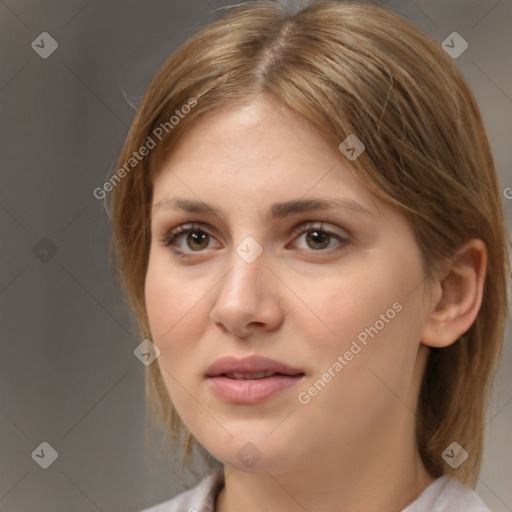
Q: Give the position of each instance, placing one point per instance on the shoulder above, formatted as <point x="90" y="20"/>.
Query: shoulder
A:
<point x="447" y="495"/>
<point x="200" y="498"/>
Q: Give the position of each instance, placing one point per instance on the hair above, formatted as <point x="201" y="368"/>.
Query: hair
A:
<point x="346" y="68"/>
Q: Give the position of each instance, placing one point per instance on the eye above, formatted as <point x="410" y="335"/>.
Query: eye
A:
<point x="317" y="238"/>
<point x="195" y="236"/>
<point x="196" y="239"/>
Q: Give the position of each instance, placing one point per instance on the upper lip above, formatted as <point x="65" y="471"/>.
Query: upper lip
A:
<point x="249" y="364"/>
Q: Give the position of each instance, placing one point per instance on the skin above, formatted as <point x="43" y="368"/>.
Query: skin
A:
<point x="352" y="447"/>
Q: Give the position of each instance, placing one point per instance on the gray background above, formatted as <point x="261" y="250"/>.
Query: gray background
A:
<point x="68" y="375"/>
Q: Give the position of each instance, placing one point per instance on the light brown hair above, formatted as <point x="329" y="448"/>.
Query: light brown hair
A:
<point x="347" y="68"/>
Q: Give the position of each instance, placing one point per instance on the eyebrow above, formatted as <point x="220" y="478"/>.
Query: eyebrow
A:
<point x="277" y="210"/>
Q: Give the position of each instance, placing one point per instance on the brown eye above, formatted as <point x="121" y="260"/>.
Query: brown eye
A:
<point x="196" y="240"/>
<point x="317" y="239"/>
<point x="195" y="237"/>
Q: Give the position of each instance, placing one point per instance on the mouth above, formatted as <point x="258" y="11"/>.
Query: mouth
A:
<point x="250" y="380"/>
<point x="255" y="375"/>
<point x="250" y="367"/>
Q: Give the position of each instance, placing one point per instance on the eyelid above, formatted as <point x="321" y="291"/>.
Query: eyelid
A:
<point x="310" y="225"/>
<point x="172" y="236"/>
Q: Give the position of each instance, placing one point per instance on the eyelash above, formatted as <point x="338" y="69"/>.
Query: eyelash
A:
<point x="169" y="240"/>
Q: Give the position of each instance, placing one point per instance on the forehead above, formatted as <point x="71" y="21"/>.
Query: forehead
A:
<point x="263" y="129"/>
<point x="256" y="149"/>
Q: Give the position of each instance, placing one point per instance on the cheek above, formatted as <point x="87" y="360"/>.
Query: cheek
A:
<point x="173" y="323"/>
<point x="377" y="376"/>
<point x="172" y="313"/>
<point x="353" y="302"/>
<point x="374" y="315"/>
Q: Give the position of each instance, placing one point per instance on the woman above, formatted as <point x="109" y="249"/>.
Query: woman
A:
<point x="305" y="220"/>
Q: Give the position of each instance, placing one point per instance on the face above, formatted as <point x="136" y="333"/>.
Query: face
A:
<point x="332" y="296"/>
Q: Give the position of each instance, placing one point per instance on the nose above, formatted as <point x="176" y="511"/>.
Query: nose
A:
<point x="248" y="300"/>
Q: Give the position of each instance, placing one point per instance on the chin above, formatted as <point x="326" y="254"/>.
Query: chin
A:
<point x="253" y="453"/>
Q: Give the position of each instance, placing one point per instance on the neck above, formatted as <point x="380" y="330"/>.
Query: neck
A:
<point x="381" y="475"/>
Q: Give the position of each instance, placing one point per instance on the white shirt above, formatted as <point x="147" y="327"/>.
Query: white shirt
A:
<point x="443" y="495"/>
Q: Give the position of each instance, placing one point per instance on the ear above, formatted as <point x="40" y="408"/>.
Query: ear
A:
<point x="457" y="297"/>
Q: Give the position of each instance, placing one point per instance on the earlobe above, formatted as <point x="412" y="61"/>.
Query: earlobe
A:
<point x="458" y="296"/>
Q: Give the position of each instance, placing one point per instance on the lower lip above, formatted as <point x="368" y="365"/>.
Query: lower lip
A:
<point x="251" y="391"/>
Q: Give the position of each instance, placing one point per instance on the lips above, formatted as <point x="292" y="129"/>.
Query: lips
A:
<point x="251" y="367"/>
<point x="250" y="380"/>
<point x="247" y="376"/>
